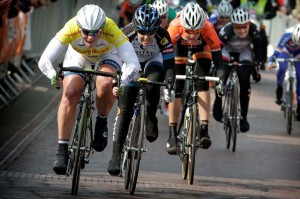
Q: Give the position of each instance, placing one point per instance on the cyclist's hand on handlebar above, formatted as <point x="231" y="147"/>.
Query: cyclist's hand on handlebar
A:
<point x="220" y="88"/>
<point x="169" y="97"/>
<point x="56" y="81"/>
<point x="117" y="91"/>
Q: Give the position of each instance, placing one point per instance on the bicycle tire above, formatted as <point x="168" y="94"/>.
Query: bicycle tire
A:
<point x="78" y="152"/>
<point x="226" y="118"/>
<point x="183" y="143"/>
<point x="136" y="154"/>
<point x="290" y="106"/>
<point x="234" y="121"/>
<point x="192" y="145"/>
<point x="126" y="163"/>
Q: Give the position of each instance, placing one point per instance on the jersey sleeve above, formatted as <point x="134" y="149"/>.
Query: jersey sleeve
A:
<point x="173" y="32"/>
<point x="113" y="33"/>
<point x="210" y="36"/>
<point x="69" y="32"/>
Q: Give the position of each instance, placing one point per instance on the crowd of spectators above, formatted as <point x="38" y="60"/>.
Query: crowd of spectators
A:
<point x="13" y="26"/>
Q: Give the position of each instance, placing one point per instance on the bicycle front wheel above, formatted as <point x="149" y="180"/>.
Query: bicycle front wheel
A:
<point x="289" y="106"/>
<point x="126" y="156"/>
<point x="137" y="152"/>
<point x="183" y="151"/>
<point x="192" y="144"/>
<point x="226" y="118"/>
<point x="234" y="114"/>
<point x="77" y="144"/>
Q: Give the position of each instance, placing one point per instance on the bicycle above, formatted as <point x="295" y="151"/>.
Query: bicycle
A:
<point x="80" y="146"/>
<point x="231" y="106"/>
<point x="289" y="104"/>
<point x="187" y="138"/>
<point x="135" y="143"/>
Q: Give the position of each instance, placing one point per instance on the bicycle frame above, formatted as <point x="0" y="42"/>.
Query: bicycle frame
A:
<point x="231" y="107"/>
<point x="189" y="122"/>
<point x="135" y="143"/>
<point x="80" y="145"/>
<point x="289" y="105"/>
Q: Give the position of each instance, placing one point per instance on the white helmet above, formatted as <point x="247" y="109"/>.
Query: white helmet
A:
<point x="91" y="17"/>
<point x="162" y="7"/>
<point x="135" y="2"/>
<point x="296" y="34"/>
<point x="192" y="16"/>
<point x="225" y="8"/>
<point x="240" y="16"/>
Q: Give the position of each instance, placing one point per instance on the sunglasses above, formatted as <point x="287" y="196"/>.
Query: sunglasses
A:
<point x="90" y="32"/>
<point x="143" y="32"/>
<point x="239" y="27"/>
<point x="192" y="32"/>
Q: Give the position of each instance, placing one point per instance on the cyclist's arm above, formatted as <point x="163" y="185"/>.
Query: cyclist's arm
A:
<point x="167" y="52"/>
<point x="211" y="37"/>
<point x="128" y="55"/>
<point x="51" y="55"/>
<point x="256" y="40"/>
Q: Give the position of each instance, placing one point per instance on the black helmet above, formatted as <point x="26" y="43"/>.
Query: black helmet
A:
<point x="146" y="18"/>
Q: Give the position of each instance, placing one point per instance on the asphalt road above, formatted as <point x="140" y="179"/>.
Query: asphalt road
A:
<point x="266" y="163"/>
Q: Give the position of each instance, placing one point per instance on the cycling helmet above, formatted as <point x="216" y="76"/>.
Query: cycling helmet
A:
<point x="296" y="34"/>
<point x="135" y="2"/>
<point x="162" y="6"/>
<point x="240" y="16"/>
<point x="225" y="8"/>
<point x="192" y="16"/>
<point x="146" y="18"/>
<point x="91" y="17"/>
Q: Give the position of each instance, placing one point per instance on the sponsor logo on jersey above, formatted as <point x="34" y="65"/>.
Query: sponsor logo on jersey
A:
<point x="164" y="41"/>
<point x="168" y="50"/>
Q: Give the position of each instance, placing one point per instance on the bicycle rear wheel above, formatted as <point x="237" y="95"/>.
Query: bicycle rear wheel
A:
<point x="137" y="152"/>
<point x="78" y="155"/>
<point x="226" y="118"/>
<point x="289" y="106"/>
<point x="192" y="144"/>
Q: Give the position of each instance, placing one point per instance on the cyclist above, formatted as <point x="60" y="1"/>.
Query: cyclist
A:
<point x="289" y="44"/>
<point x="237" y="37"/>
<point x="154" y="49"/>
<point x="89" y="38"/>
<point x="192" y="30"/>
<point x="221" y="16"/>
<point x="163" y="9"/>
<point x="128" y="8"/>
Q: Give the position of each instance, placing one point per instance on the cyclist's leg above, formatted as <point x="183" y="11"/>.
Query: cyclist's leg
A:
<point x="122" y="121"/>
<point x="72" y="88"/>
<point x="217" y="107"/>
<point x="104" y="98"/>
<point x="174" y="107"/>
<point x="202" y="69"/>
<point x="280" y="78"/>
<point x="244" y="73"/>
<point x="154" y="70"/>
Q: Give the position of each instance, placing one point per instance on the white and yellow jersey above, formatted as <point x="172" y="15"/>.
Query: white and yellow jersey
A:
<point x="112" y="44"/>
<point x="110" y="37"/>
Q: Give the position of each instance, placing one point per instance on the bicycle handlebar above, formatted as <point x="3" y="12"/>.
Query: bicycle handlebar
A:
<point x="206" y="78"/>
<point x="145" y="80"/>
<point x="290" y="59"/>
<point x="89" y="71"/>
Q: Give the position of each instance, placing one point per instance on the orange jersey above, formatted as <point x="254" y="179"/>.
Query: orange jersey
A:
<point x="208" y="36"/>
